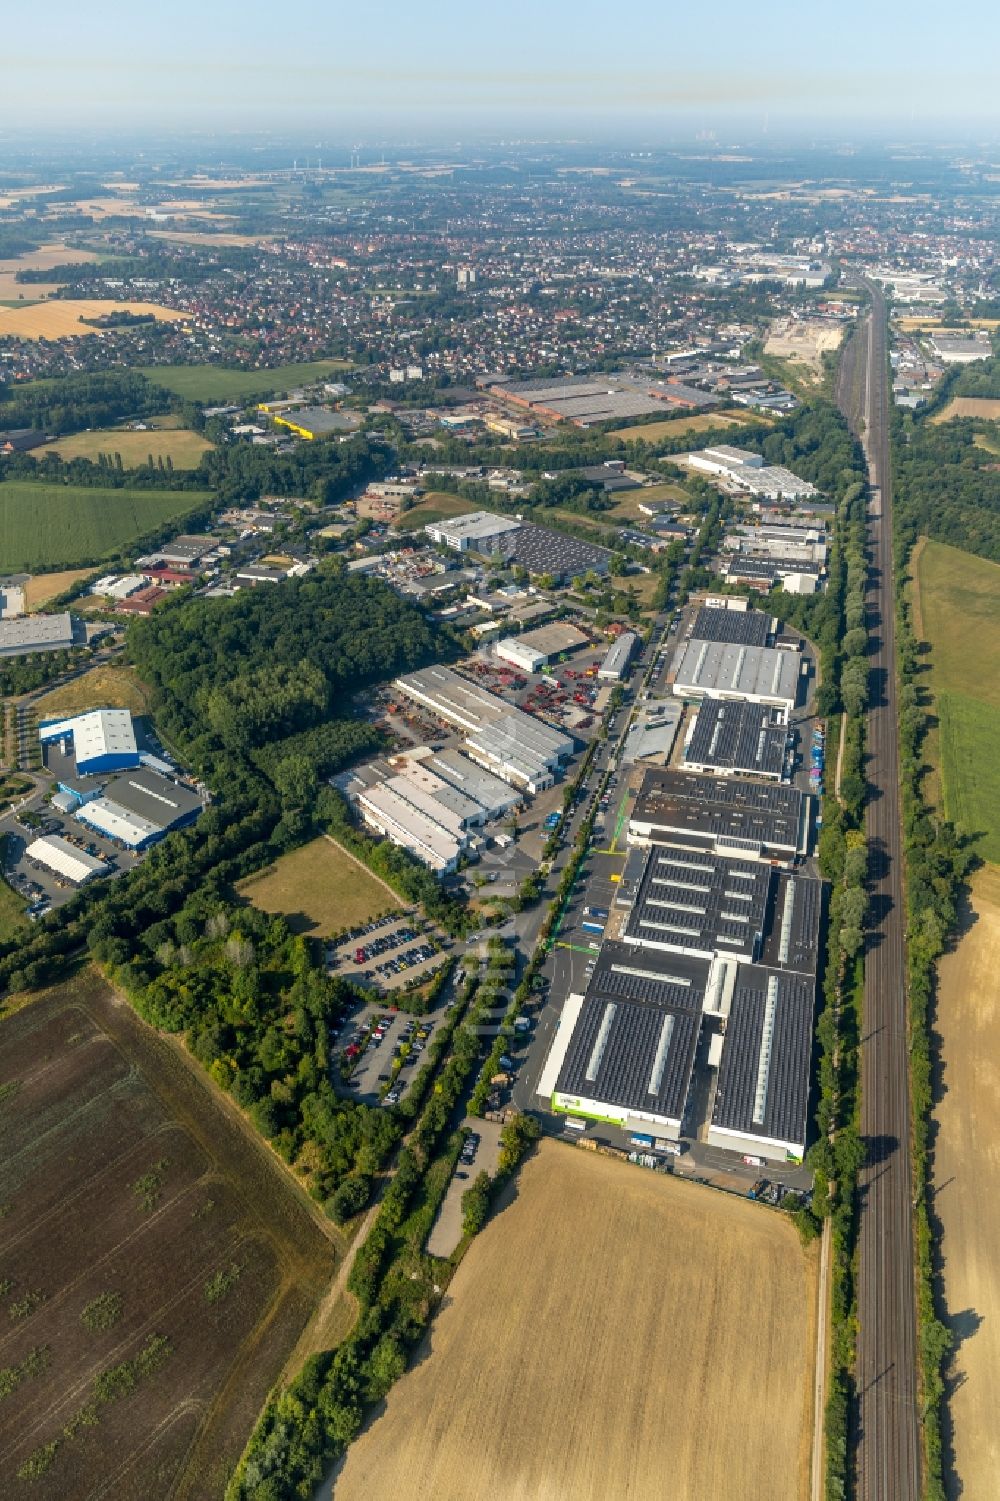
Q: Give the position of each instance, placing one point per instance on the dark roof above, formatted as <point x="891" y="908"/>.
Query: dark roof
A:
<point x="783" y="1073"/>
<point x="153" y="797"/>
<point x="700" y="902"/>
<point x="542" y="551"/>
<point x="635" y="1039"/>
<point x="702" y="809"/>
<point x="792" y="938"/>
<point x="738" y="627"/>
<point x="737" y="736"/>
<point x="739" y="565"/>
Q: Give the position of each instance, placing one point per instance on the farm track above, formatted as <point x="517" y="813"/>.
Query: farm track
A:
<point x="886" y="1423"/>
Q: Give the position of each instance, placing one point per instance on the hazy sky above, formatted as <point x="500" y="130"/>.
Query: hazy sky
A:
<point x="247" y="62"/>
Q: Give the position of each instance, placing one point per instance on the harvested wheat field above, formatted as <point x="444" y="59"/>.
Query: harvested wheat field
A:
<point x="611" y="1334"/>
<point x="62" y="318"/>
<point x="41" y="259"/>
<point x="969" y="406"/>
<point x="42" y="587"/>
<point x="967" y="1187"/>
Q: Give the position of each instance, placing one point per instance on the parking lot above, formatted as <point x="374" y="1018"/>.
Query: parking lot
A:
<point x="480" y="1154"/>
<point x="376" y="1037"/>
<point x="44" y="888"/>
<point x="392" y="953"/>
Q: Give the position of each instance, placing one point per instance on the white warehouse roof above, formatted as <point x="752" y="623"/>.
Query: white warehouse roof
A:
<point x="100" y="733"/>
<point x="65" y="859"/>
<point x="721" y="669"/>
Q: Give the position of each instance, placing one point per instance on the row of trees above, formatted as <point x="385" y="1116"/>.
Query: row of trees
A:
<point x="936" y="865"/>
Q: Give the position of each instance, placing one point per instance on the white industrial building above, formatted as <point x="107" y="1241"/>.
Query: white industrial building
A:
<point x="961" y="349"/>
<point x="476" y="531"/>
<point x="399" y="819"/>
<point x="102" y="739"/>
<point x="747" y="470"/>
<point x="495" y="796"/>
<point x="505" y="740"/>
<point x="519" y="654"/>
<point x="616" y="664"/>
<point x="720" y="669"/>
<point x="65" y="859"/>
<point x="24" y="634"/>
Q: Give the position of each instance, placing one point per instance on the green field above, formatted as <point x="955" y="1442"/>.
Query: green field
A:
<point x="957" y="611"/>
<point x="321" y="889"/>
<point x="435" y="506"/>
<point x="212" y="383"/>
<point x="61" y="526"/>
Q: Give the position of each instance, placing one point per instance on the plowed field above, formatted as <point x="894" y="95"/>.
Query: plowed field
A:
<point x="156" y="1267"/>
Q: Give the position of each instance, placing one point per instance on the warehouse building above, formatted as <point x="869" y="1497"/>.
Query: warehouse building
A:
<point x="738" y="974"/>
<point x="718" y="669"/>
<point x="514" y="751"/>
<point x="762" y="1091"/>
<point x="519" y="654"/>
<point x="616" y="665"/>
<point x="746" y="470"/>
<point x="101" y="741"/>
<point x="723" y="815"/>
<point x="791" y="574"/>
<point x="396" y="817"/>
<point x="555" y="640"/>
<point x="65" y="860"/>
<point x="694" y="902"/>
<point x="543" y="551"/>
<point x="453" y="802"/>
<point x="186" y="550"/>
<point x="460" y="702"/>
<point x="495" y="796"/>
<point x="140" y="808"/>
<point x="26" y="634"/>
<point x="961" y="349"/>
<point x="312" y="423"/>
<point x="625" y="1052"/>
<point x="737" y="738"/>
<point x="734" y="627"/>
<point x="476" y="531"/>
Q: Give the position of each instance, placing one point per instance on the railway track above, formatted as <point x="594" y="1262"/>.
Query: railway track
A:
<point x="886" y="1420"/>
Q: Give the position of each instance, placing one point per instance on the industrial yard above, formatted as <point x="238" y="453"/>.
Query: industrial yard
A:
<point x="569" y="1369"/>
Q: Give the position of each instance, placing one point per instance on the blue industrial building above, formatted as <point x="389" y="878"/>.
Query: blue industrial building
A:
<point x="102" y="740"/>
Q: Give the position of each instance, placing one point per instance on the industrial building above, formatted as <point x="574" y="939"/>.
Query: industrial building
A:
<point x="555" y="640"/>
<point x="65" y="860"/>
<point x="954" y="348"/>
<point x="101" y="741"/>
<point x="26" y="634"/>
<point x="505" y="740"/>
<point x="793" y="575"/>
<point x="616" y="665"/>
<point x="476" y="531"/>
<point x="747" y="470"/>
<point x="735" y="627"/>
<point x="186" y="550"/>
<point x="737" y="738"/>
<point x="588" y="399"/>
<point x="312" y="423"/>
<point x="724" y="815"/>
<point x="398" y="818"/>
<point x="139" y="808"/>
<point x="495" y="796"/>
<point x="540" y="550"/>
<point x="519" y="654"/>
<point x="718" y="669"/>
<point x="715" y="951"/>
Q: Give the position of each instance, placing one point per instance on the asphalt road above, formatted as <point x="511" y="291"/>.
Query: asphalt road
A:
<point x="887" y="1427"/>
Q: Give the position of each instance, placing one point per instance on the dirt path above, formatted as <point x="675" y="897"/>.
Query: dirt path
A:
<point x="967" y="1187"/>
<point x="400" y="902"/>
